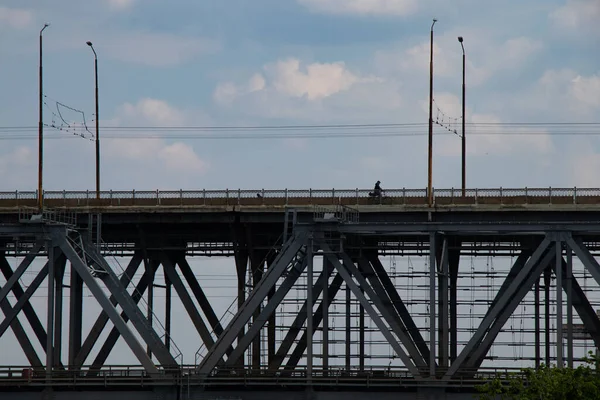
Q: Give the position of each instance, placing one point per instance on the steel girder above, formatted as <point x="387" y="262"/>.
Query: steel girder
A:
<point x="398" y="326"/>
<point x="139" y="321"/>
<point x="581" y="304"/>
<point x="318" y="316"/>
<point x="83" y="270"/>
<point x="347" y="270"/>
<point x="400" y="307"/>
<point x="525" y="286"/>
<point x="268" y="310"/>
<point x="84" y="351"/>
<point x="286" y="256"/>
<point x="504" y="303"/>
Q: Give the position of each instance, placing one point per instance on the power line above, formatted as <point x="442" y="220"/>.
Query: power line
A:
<point x="303" y="127"/>
<point x="317" y="131"/>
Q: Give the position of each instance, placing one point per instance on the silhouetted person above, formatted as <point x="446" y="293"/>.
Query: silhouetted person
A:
<point x="377" y="190"/>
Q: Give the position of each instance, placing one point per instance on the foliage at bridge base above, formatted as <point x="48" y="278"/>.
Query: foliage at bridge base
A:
<point x="547" y="383"/>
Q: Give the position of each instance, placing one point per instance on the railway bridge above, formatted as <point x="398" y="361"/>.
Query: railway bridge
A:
<point x="329" y="300"/>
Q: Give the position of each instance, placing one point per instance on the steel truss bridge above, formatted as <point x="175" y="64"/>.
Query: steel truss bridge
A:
<point x="316" y="310"/>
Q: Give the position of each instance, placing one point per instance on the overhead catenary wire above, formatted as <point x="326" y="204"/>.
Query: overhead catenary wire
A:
<point x="315" y="131"/>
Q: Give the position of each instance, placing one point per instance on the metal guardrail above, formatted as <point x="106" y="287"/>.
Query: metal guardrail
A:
<point x="15" y="376"/>
<point x="57" y="217"/>
<point x="304" y="196"/>
<point x="338" y="213"/>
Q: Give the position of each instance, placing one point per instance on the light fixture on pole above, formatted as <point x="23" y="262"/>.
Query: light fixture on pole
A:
<point x="464" y="139"/>
<point x="97" y="123"/>
<point x="430" y="147"/>
<point x="41" y="131"/>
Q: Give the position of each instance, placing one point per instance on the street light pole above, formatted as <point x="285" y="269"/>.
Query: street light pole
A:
<point x="97" y="124"/>
<point x="430" y="165"/>
<point x="41" y="131"/>
<point x="464" y="138"/>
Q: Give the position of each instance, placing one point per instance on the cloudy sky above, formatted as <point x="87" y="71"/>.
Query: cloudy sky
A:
<point x="300" y="62"/>
<point x="304" y="63"/>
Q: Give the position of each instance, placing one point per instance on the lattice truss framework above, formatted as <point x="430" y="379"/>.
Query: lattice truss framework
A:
<point x="356" y="315"/>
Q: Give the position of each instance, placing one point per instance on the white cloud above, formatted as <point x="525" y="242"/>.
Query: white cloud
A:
<point x="483" y="58"/>
<point x="586" y="91"/>
<point x="577" y="15"/>
<point x="564" y="93"/>
<point x="15" y="17"/>
<point x="157" y="49"/>
<point x="156" y="112"/>
<point x="362" y="7"/>
<point x="120" y="4"/>
<point x="314" y="82"/>
<point x="17" y="158"/>
<point x="176" y="157"/>
<point x="319" y="80"/>
<point x="181" y="157"/>
<point x="227" y="92"/>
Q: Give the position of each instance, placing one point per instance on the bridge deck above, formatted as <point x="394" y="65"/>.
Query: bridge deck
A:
<point x="285" y="198"/>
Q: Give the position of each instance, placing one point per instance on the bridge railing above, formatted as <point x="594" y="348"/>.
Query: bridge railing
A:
<point x="115" y="376"/>
<point x="291" y="197"/>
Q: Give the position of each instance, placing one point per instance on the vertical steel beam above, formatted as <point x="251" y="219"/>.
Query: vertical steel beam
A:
<point x="559" y="305"/>
<point x="453" y="264"/>
<point x="361" y="335"/>
<point x="58" y="308"/>
<point x="309" y="310"/>
<point x="547" y="314"/>
<point x="443" y="270"/>
<point x="537" y="341"/>
<point x="257" y="264"/>
<point x="348" y="323"/>
<point x="50" y="310"/>
<point x="149" y="270"/>
<point x="432" y="271"/>
<point x="241" y="266"/>
<point x="75" y="316"/>
<point x="569" y="306"/>
<point x="271" y="325"/>
<point x="325" y="303"/>
<point x="168" y="286"/>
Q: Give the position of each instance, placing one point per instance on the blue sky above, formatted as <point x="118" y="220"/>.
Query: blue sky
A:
<point x="298" y="62"/>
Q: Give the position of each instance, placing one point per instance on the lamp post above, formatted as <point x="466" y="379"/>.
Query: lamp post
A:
<point x="97" y="124"/>
<point x="464" y="139"/>
<point x="41" y="131"/>
<point x="430" y="165"/>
